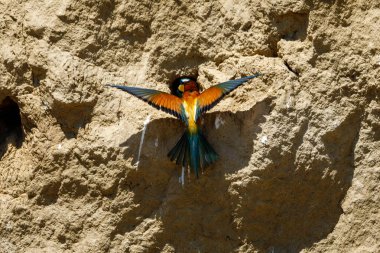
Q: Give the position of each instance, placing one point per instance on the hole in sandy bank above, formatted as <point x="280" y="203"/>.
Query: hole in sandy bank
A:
<point x="10" y="125"/>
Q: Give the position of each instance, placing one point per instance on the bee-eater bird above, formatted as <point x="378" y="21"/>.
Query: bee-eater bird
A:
<point x="188" y="104"/>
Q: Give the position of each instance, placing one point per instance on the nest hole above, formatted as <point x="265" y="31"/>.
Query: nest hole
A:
<point x="10" y="125"/>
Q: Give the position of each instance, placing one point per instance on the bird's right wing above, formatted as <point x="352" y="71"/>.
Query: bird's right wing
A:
<point x="158" y="99"/>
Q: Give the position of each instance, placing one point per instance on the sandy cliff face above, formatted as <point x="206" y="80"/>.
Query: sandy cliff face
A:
<point x="299" y="166"/>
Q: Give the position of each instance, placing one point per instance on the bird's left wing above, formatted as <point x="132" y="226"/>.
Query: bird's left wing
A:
<point x="158" y="99"/>
<point x="210" y="97"/>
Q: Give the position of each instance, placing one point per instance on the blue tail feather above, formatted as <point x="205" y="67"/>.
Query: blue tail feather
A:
<point x="193" y="150"/>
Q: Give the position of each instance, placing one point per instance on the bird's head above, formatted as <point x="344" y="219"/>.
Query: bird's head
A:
<point x="184" y="84"/>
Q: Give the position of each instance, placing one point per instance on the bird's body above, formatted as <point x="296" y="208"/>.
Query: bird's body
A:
<point x="188" y="104"/>
<point x="190" y="108"/>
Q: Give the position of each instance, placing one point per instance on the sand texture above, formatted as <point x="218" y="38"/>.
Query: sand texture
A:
<point x="299" y="167"/>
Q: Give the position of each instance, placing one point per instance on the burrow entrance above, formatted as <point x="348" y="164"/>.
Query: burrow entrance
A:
<point x="10" y="125"/>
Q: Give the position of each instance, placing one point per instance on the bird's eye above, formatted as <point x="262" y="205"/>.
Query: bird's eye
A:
<point x="181" y="88"/>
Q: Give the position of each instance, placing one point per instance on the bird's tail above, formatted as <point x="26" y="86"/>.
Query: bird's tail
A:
<point x="193" y="150"/>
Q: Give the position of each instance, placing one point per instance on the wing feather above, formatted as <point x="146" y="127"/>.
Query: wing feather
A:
<point x="210" y="97"/>
<point x="158" y="99"/>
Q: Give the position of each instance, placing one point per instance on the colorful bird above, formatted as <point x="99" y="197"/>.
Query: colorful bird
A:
<point x="188" y="104"/>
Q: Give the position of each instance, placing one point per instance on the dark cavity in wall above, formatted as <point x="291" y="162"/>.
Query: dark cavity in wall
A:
<point x="10" y="125"/>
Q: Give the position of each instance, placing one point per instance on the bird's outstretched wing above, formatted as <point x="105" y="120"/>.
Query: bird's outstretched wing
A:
<point x="158" y="99"/>
<point x="210" y="97"/>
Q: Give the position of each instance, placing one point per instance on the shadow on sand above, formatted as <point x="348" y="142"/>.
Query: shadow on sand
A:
<point x="284" y="206"/>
